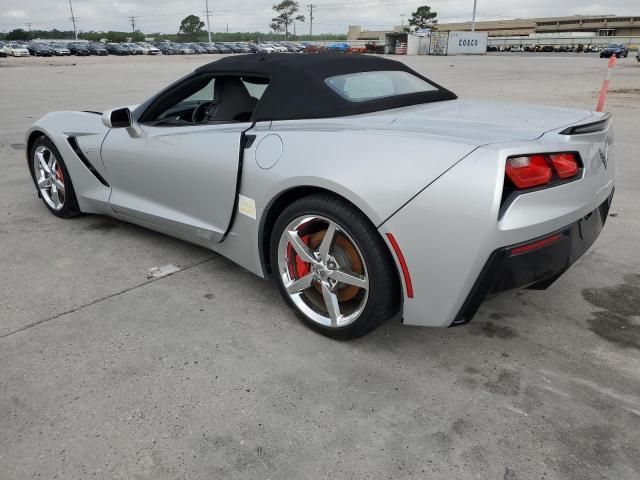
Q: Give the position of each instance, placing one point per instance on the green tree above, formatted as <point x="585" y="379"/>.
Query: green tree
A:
<point x="18" y="34"/>
<point x="423" y="17"/>
<point x="191" y="28"/>
<point x="286" y="15"/>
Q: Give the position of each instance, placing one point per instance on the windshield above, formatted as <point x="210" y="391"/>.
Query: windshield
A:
<point x="613" y="45"/>
<point x="365" y="86"/>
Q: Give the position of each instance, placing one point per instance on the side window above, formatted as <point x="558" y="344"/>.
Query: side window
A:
<point x="206" y="100"/>
<point x="205" y="94"/>
<point x="181" y="111"/>
<point x="256" y="87"/>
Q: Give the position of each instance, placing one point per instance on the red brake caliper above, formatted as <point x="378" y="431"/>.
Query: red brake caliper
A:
<point x="298" y="268"/>
<point x="59" y="173"/>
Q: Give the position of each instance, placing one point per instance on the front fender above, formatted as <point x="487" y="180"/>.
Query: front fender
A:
<point x="89" y="132"/>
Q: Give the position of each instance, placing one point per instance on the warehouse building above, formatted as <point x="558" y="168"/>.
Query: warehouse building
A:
<point x="602" y="25"/>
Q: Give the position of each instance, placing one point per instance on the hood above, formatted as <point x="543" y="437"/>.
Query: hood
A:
<point x="481" y="122"/>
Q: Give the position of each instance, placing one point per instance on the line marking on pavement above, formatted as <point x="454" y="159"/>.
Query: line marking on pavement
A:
<point x="106" y="297"/>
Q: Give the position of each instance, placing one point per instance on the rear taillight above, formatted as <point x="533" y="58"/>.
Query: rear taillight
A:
<point x="565" y="164"/>
<point x="527" y="172"/>
<point x="530" y="171"/>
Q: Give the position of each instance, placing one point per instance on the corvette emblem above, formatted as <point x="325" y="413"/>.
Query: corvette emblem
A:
<point x="604" y="155"/>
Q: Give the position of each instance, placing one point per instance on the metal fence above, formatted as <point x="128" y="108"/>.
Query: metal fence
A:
<point x="629" y="41"/>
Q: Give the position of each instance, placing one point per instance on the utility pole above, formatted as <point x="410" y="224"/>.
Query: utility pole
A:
<point x="208" y="14"/>
<point x="28" y="24"/>
<point x="73" y="19"/>
<point x="227" y="28"/>
<point x="473" y="20"/>
<point x="402" y="15"/>
<point x="311" y="19"/>
<point x="133" y="24"/>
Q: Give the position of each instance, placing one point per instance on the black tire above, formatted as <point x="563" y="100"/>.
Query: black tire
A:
<point x="383" y="298"/>
<point x="70" y="207"/>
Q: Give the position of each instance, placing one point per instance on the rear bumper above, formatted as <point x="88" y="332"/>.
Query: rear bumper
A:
<point x="534" y="264"/>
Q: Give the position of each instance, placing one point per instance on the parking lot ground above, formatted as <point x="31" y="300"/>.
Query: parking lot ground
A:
<point x="105" y="373"/>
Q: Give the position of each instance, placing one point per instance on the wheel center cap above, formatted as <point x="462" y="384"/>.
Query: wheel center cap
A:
<point x="321" y="272"/>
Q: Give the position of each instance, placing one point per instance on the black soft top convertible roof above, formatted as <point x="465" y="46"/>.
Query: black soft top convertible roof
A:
<point x="297" y="87"/>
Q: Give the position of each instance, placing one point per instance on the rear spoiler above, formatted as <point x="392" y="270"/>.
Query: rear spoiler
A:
<point x="599" y="125"/>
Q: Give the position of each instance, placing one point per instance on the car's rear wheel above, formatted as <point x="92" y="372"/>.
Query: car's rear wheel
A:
<point x="52" y="179"/>
<point x="333" y="268"/>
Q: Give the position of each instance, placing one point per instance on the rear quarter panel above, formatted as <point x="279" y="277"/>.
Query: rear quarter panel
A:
<point x="375" y="169"/>
<point x="448" y="232"/>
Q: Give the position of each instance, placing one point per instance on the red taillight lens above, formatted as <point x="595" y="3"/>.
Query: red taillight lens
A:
<point x="527" y="172"/>
<point x="536" y="170"/>
<point x="565" y="164"/>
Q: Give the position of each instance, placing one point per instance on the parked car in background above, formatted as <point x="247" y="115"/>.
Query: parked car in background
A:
<point x="210" y="47"/>
<point x="149" y="49"/>
<point x="2" y="52"/>
<point x="266" y="47"/>
<point x="290" y="47"/>
<point x="197" y="49"/>
<point x="97" y="49"/>
<point x="39" y="50"/>
<point x="638" y="54"/>
<point x="278" y="48"/>
<point x="117" y="49"/>
<point x="60" y="50"/>
<point x="258" y="48"/>
<point x="16" y="50"/>
<point x="79" y="49"/>
<point x="238" y="47"/>
<point x="222" y="48"/>
<point x="310" y="48"/>
<point x="234" y="48"/>
<point x="614" y="49"/>
<point x="340" y="47"/>
<point x="134" y="49"/>
<point x="166" y="48"/>
<point x="184" y="49"/>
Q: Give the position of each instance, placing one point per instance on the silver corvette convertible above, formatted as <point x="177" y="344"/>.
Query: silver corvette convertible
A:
<point x="363" y="189"/>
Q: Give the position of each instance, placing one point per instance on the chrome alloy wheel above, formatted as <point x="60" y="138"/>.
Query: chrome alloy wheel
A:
<point x="49" y="177"/>
<point x="323" y="271"/>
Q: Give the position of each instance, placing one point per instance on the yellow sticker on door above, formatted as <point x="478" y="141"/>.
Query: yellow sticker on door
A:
<point x="247" y="206"/>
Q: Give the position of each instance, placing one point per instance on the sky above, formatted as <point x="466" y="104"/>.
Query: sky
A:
<point x="330" y="16"/>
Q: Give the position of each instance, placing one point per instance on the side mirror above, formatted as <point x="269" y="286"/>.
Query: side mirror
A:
<point x="117" y="118"/>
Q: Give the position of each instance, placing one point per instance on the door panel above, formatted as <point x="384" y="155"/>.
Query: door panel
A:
<point x="179" y="178"/>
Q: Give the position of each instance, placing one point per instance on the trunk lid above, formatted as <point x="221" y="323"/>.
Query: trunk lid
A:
<point x="480" y="122"/>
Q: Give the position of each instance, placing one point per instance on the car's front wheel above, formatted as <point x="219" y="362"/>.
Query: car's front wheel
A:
<point x="333" y="268"/>
<point x="52" y="179"/>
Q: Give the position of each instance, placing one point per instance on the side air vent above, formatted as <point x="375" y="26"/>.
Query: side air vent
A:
<point x="78" y="151"/>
